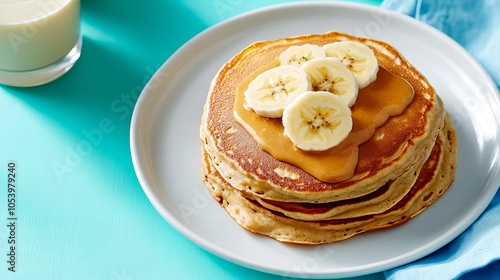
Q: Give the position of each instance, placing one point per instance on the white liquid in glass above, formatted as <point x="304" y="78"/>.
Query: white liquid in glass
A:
<point x="35" y="34"/>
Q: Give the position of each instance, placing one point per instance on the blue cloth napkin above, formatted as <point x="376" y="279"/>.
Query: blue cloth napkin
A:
<point x="475" y="25"/>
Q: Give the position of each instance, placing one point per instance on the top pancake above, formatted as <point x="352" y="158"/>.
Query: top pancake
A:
<point x="393" y="149"/>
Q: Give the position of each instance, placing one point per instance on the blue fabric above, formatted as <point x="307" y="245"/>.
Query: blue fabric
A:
<point x="475" y="25"/>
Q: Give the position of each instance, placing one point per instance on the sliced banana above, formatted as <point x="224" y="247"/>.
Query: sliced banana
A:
<point x="358" y="57"/>
<point x="329" y="74"/>
<point x="317" y="121"/>
<point x="271" y="91"/>
<point x="296" y="55"/>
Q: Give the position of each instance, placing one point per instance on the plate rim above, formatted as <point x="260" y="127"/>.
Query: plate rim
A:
<point x="215" y="250"/>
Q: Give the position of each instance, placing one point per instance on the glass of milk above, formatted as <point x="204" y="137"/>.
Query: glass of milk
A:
<point x="40" y="40"/>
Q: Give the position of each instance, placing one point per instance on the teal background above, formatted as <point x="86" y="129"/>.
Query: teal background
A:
<point x="81" y="213"/>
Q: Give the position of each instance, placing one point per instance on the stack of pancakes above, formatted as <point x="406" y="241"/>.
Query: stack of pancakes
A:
<point x="404" y="167"/>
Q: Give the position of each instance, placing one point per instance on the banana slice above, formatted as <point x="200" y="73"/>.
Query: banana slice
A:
<point x="329" y="74"/>
<point x="271" y="91"/>
<point x="296" y="55"/>
<point x="358" y="57"/>
<point x="317" y="121"/>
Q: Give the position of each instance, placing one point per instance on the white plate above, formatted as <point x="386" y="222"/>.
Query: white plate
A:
<point x="165" y="144"/>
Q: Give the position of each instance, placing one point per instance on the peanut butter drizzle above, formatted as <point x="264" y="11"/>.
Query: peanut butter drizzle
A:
<point x="387" y="96"/>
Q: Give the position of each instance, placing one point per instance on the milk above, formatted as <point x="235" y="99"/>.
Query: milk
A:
<point x="37" y="33"/>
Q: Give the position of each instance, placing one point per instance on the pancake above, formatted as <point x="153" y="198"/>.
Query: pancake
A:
<point x="375" y="202"/>
<point x="433" y="180"/>
<point x="400" y="144"/>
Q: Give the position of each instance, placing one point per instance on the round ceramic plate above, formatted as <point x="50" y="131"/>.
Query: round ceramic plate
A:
<point x="165" y="142"/>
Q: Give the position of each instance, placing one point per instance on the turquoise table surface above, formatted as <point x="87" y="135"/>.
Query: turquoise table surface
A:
<point x="81" y="212"/>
